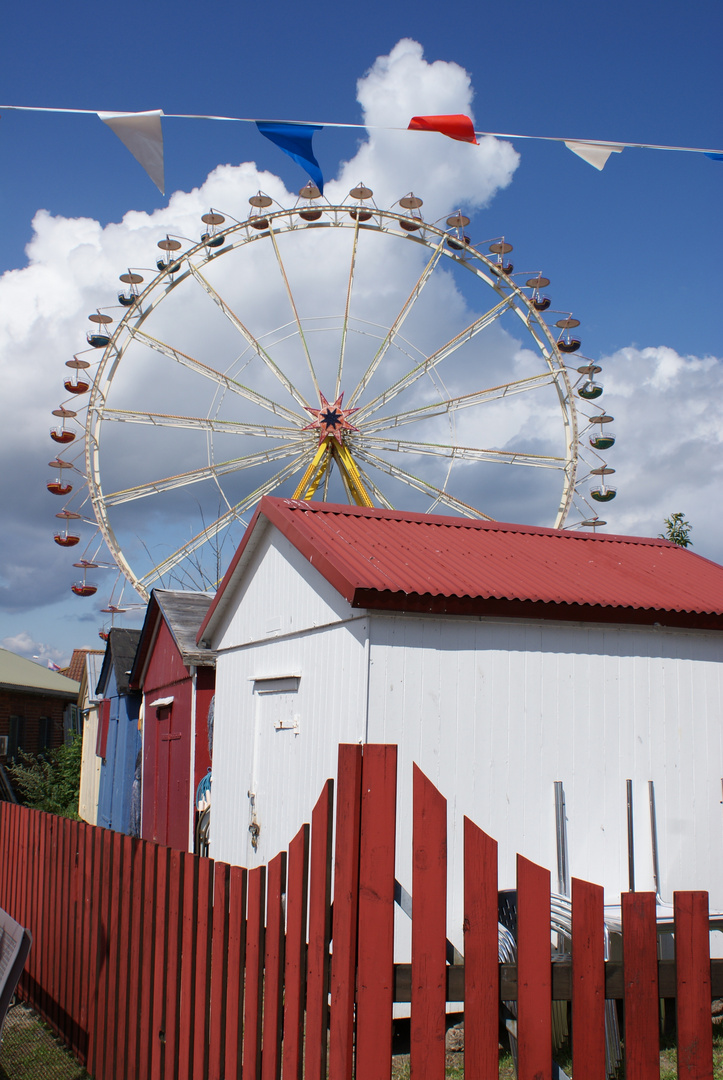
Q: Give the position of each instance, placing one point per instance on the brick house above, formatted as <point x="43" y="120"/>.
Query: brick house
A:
<point x="34" y="702"/>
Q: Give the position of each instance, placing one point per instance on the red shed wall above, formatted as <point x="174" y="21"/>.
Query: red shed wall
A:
<point x="167" y="746"/>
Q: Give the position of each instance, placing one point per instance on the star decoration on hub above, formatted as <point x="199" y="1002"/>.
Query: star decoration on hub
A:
<point x="330" y="419"/>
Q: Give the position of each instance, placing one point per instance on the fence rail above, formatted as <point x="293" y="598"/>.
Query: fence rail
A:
<point x="155" y="964"/>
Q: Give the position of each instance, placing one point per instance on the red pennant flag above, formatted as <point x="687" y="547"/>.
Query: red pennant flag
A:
<point x="454" y="126"/>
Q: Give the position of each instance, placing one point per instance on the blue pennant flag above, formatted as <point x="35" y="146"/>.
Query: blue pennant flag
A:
<point x="295" y="140"/>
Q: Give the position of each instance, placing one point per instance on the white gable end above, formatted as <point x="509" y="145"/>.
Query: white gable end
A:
<point x="280" y="593"/>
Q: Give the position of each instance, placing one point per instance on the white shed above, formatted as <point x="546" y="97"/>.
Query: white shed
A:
<point x="537" y="676"/>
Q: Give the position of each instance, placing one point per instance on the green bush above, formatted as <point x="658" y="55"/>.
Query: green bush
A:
<point x="50" y="781"/>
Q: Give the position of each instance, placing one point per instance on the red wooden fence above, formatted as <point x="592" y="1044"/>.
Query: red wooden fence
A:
<point x="151" y="963"/>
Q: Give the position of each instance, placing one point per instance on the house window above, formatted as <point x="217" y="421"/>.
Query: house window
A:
<point x="16" y="735"/>
<point x="44" y="733"/>
<point x="278" y="700"/>
<point x="75" y="719"/>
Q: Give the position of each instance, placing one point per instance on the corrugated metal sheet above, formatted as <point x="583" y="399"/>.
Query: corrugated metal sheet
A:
<point x="380" y="558"/>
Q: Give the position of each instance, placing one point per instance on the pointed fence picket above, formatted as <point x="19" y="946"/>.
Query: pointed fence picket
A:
<point x="153" y="963"/>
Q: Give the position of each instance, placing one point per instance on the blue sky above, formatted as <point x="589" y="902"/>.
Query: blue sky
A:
<point x="633" y="252"/>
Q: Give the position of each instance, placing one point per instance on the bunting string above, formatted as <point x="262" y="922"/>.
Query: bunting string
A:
<point x="141" y="133"/>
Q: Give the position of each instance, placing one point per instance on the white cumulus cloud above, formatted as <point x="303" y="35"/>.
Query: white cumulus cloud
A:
<point x="670" y="440"/>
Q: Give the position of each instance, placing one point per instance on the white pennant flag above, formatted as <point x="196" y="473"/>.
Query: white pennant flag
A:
<point x="596" y="154"/>
<point x="141" y="133"/>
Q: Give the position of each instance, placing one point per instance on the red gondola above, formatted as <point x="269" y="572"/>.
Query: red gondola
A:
<point x="66" y="539"/>
<point x="62" y="436"/>
<point x="83" y="588"/>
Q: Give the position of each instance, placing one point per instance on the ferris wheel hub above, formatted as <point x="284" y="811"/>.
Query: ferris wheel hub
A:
<point x="331" y="420"/>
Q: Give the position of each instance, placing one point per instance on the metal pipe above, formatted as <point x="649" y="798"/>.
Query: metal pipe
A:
<point x="563" y="869"/>
<point x="654" y="837"/>
<point x="631" y="843"/>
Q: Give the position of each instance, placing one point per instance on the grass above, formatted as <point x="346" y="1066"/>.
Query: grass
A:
<point x="668" y="1062"/>
<point x="30" y="1051"/>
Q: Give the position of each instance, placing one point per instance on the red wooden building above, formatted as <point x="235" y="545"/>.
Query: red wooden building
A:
<point x="177" y="679"/>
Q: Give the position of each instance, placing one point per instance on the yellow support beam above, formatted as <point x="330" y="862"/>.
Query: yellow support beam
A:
<point x="351" y="474"/>
<point x="307" y="486"/>
<point x="330" y="451"/>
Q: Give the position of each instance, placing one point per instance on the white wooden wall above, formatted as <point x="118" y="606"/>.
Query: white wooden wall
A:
<point x="89" y="769"/>
<point x="285" y="768"/>
<point x="495" y="712"/>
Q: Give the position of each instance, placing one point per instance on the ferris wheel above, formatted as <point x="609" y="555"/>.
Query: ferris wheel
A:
<point x="342" y="352"/>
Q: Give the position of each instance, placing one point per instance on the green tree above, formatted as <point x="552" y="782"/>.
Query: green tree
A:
<point x="677" y="529"/>
<point x="50" y="781"/>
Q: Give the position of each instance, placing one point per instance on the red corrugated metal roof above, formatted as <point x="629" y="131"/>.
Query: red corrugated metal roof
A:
<point x="424" y="562"/>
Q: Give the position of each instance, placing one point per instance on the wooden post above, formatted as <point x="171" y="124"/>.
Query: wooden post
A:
<point x="346" y="896"/>
<point x="253" y="1001"/>
<point x="187" y="959"/>
<point x="481" y="971"/>
<point x="317" y="960"/>
<point x="375" y="974"/>
<point x="273" y="969"/>
<point x="202" y="974"/>
<point x="640" y="964"/>
<point x="588" y="980"/>
<point x="219" y="973"/>
<point x="429" y="929"/>
<point x="693" y="996"/>
<point x="295" y="959"/>
<point x="235" y="1000"/>
<point x="534" y="976"/>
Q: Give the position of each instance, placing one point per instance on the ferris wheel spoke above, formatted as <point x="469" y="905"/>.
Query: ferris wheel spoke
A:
<point x="195" y="476"/>
<point x="200" y="423"/>
<point x="347" y="307"/>
<point x="215" y="376"/>
<point x="249" y="338"/>
<point x="454" y="404"/>
<point x="292" y="302"/>
<point x="437" y="357"/>
<point x="398" y="322"/>
<point x="210" y="532"/>
<point x="416" y="482"/>
<point x="467" y="453"/>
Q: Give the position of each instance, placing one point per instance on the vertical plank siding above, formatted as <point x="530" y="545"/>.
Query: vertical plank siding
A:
<point x="295" y="957"/>
<point x="693" y="991"/>
<point x="318" y="967"/>
<point x="375" y="965"/>
<point x="253" y="994"/>
<point x="235" y="996"/>
<point x="534" y="976"/>
<point x="481" y="993"/>
<point x="274" y="969"/>
<point x="588" y="979"/>
<point x="151" y="963"/>
<point x="344" y="922"/>
<point x="429" y="928"/>
<point x="640" y="966"/>
<point x="219" y="970"/>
